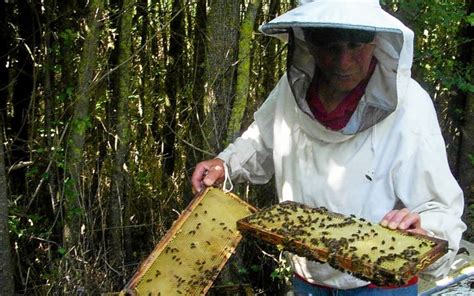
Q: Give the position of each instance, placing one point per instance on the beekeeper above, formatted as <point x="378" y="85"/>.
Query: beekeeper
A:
<point x="347" y="128"/>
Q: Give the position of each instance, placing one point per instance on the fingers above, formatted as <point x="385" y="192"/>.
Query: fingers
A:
<point x="214" y="174"/>
<point x="198" y="175"/>
<point x="404" y="220"/>
<point x="207" y="173"/>
<point x="393" y="219"/>
<point x="412" y="220"/>
<point x="418" y="230"/>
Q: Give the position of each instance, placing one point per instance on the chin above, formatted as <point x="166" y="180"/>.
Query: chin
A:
<point x="344" y="87"/>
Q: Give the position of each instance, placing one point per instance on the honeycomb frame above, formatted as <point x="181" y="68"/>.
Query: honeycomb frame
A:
<point x="354" y="245"/>
<point x="191" y="254"/>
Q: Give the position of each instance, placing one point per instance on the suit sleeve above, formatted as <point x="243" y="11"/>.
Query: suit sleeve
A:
<point x="425" y="185"/>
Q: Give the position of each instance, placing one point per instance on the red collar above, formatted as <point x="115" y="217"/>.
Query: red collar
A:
<point x="339" y="117"/>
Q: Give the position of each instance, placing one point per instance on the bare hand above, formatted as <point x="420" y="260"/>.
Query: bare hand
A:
<point x="207" y="173"/>
<point x="404" y="220"/>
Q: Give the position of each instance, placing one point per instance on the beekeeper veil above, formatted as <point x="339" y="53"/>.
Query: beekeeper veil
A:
<point x="393" y="51"/>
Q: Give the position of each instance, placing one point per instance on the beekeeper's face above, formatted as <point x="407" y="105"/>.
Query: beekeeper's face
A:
<point x="343" y="56"/>
<point x="344" y="64"/>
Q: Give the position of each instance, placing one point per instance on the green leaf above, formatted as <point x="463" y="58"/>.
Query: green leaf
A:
<point x="275" y="275"/>
<point x="470" y="157"/>
<point x="242" y="271"/>
<point x="255" y="268"/>
<point x="61" y="251"/>
<point x="470" y="19"/>
<point x="466" y="87"/>
<point x="68" y="36"/>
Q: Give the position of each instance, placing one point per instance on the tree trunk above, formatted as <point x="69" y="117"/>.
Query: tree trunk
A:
<point x="6" y="270"/>
<point x="199" y="59"/>
<point x="73" y="193"/>
<point x="68" y="26"/>
<point x="117" y="202"/>
<point x="270" y="56"/>
<point x="49" y="102"/>
<point x="195" y="118"/>
<point x="173" y="86"/>
<point x="243" y="72"/>
<point x="223" y="34"/>
<point x="143" y="13"/>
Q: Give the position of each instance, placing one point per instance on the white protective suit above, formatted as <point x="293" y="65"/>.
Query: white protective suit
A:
<point x="390" y="155"/>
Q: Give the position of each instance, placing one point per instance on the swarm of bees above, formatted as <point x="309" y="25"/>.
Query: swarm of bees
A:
<point x="350" y="244"/>
<point x="190" y="256"/>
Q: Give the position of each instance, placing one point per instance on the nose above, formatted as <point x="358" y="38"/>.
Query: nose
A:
<point x="343" y="58"/>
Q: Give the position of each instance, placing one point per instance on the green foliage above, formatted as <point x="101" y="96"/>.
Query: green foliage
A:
<point x="470" y="19"/>
<point x="68" y="37"/>
<point x="61" y="251"/>
<point x="80" y="125"/>
<point x="66" y="95"/>
<point x="470" y="156"/>
<point x="15" y="225"/>
<point x="436" y="25"/>
<point x="23" y="226"/>
<point x="437" y="42"/>
<point x="283" y="271"/>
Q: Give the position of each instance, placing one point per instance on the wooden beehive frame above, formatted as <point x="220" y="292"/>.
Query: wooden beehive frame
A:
<point x="194" y="250"/>
<point x="354" y="245"/>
